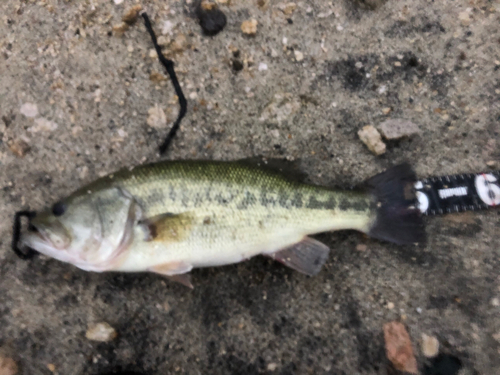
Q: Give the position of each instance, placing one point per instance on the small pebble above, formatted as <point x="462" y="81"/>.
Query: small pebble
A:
<point x="390" y="305"/>
<point x="496" y="336"/>
<point x="51" y="367"/>
<point x="495" y="302"/>
<point x="102" y="332"/>
<point x="118" y="2"/>
<point x="156" y="117"/>
<point x="430" y="346"/>
<point x="397" y="128"/>
<point x="249" y="27"/>
<point x="263" y="4"/>
<point x="299" y="56"/>
<point x="464" y="18"/>
<point x="237" y="65"/>
<point x="397" y="64"/>
<point x="130" y="15"/>
<point x="120" y="29"/>
<point x="358" y="65"/>
<point x="43" y="125"/>
<point x="29" y="110"/>
<point x="157" y="77"/>
<point x="163" y="40"/>
<point x="8" y="366"/>
<point x="419" y="310"/>
<point x="361" y="247"/>
<point x="211" y="19"/>
<point x="167" y="28"/>
<point x="262" y="67"/>
<point x="491" y="163"/>
<point x="289" y="8"/>
<point x="372" y="139"/>
<point x="386" y="110"/>
<point x="180" y="43"/>
<point x="272" y="366"/>
<point x="19" y="147"/>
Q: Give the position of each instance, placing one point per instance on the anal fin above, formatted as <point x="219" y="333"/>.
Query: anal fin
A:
<point x="175" y="271"/>
<point x="184" y="279"/>
<point x="306" y="256"/>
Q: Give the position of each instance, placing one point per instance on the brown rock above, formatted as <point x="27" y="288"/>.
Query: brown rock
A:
<point x="8" y="366"/>
<point x="157" y="77"/>
<point x="179" y="44"/>
<point x="120" y="29"/>
<point x="361" y="247"/>
<point x="372" y="139"/>
<point x="130" y="16"/>
<point x="249" y="27"/>
<point x="207" y="5"/>
<point x="289" y="8"/>
<point x="263" y="4"/>
<point x="19" y="147"/>
<point x="398" y="347"/>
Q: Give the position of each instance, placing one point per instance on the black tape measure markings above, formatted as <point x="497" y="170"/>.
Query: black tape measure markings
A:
<point x="458" y="193"/>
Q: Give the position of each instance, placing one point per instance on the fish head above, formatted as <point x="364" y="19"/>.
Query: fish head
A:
<point x="91" y="229"/>
<point x="70" y="232"/>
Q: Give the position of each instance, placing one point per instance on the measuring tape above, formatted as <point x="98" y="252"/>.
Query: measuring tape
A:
<point x="458" y="193"/>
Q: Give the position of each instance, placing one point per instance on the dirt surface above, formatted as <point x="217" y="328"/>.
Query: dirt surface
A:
<point x="435" y="63"/>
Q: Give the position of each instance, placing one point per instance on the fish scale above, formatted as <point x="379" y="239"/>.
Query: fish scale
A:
<point x="249" y="210"/>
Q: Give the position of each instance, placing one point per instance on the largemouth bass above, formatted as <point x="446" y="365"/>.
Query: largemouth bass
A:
<point x="173" y="216"/>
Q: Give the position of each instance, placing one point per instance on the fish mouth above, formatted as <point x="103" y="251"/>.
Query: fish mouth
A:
<point x="37" y="238"/>
<point x="34" y="238"/>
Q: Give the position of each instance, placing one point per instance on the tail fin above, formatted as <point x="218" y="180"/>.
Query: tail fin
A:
<point x="398" y="218"/>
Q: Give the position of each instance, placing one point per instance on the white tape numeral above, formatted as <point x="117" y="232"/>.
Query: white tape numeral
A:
<point x="488" y="189"/>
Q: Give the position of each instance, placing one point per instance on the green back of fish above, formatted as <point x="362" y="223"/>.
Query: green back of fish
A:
<point x="179" y="186"/>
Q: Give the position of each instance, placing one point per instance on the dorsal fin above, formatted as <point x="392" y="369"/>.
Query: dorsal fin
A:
<point x="290" y="169"/>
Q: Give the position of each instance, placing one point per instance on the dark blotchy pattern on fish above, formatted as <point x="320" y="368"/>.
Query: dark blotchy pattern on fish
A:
<point x="195" y="183"/>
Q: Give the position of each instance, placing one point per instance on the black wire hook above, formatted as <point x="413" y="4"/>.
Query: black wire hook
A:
<point x="16" y="235"/>
<point x="169" y="66"/>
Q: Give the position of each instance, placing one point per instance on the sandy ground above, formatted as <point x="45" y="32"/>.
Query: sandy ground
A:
<point x="435" y="63"/>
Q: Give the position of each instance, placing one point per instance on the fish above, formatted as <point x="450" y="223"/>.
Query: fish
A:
<point x="169" y="217"/>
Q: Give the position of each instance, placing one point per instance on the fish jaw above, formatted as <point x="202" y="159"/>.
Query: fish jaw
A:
<point x="37" y="241"/>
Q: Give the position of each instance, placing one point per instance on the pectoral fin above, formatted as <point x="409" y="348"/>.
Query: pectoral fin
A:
<point x="306" y="256"/>
<point x="175" y="271"/>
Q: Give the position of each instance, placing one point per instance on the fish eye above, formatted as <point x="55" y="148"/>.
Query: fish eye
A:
<point x="59" y="209"/>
